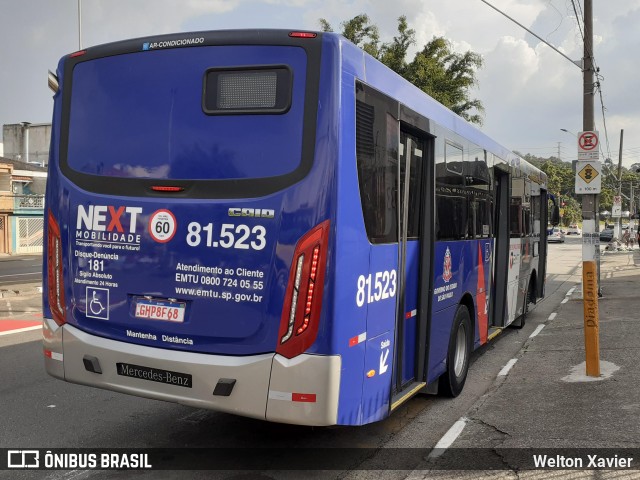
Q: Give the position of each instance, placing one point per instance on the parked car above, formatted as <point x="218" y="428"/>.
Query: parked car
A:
<point x="555" y="235"/>
<point x="606" y="235"/>
<point x="574" y="229"/>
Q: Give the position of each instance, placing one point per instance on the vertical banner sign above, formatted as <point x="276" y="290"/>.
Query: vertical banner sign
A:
<point x="590" y="243"/>
<point x="616" y="211"/>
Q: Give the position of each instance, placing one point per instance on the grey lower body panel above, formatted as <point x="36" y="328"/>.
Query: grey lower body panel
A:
<point x="303" y="390"/>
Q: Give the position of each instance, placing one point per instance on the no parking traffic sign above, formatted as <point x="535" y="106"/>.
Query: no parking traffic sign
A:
<point x="588" y="146"/>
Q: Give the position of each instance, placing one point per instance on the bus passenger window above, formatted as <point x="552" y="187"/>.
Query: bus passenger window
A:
<point x="526" y="220"/>
<point x="415" y="183"/>
<point x="453" y="158"/>
<point x="377" y="141"/>
<point x="481" y="218"/>
<point x="515" y="220"/>
<point x="451" y="215"/>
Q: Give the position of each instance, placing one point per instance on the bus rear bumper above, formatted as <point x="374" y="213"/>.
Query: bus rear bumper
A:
<point x="303" y="390"/>
<point x="70" y="348"/>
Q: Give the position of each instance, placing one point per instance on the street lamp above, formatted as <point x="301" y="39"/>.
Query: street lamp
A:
<point x="79" y="26"/>
<point x="569" y="131"/>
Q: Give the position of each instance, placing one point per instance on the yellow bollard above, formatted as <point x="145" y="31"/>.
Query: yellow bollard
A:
<point x="591" y="333"/>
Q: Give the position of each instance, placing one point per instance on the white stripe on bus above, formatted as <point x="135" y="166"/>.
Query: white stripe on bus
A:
<point x="357" y="339"/>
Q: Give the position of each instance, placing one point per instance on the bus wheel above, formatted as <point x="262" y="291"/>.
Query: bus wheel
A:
<point x="528" y="298"/>
<point x="452" y="381"/>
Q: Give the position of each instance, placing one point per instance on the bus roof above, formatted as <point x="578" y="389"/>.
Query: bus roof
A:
<point x="396" y="86"/>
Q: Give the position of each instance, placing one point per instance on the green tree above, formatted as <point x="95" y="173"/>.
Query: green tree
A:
<point x="561" y="182"/>
<point x="445" y="75"/>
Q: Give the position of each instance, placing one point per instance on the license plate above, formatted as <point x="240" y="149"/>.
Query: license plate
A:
<point x="154" y="309"/>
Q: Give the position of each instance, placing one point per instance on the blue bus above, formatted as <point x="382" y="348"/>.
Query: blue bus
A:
<point x="274" y="224"/>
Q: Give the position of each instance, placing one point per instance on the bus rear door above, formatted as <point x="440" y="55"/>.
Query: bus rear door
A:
<point x="414" y="266"/>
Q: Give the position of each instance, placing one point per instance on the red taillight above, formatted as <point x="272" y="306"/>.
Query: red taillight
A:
<point x="54" y="271"/>
<point x="79" y="53"/>
<point x="163" y="188"/>
<point x="303" y="299"/>
<point x="303" y="34"/>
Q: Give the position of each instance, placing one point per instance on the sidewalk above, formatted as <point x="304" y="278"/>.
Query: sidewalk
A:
<point x="546" y="401"/>
<point x="20" y="289"/>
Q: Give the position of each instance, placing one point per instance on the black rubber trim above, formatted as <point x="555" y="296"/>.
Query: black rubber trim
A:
<point x="197" y="188"/>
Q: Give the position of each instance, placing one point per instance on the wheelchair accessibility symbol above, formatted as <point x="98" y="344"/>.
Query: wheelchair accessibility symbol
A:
<point x="98" y="303"/>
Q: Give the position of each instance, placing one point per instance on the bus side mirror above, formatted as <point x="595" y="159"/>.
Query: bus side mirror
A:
<point x="555" y="215"/>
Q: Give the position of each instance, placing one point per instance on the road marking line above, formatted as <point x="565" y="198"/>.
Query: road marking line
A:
<point x="570" y="292"/>
<point x="507" y="367"/>
<point x="565" y="300"/>
<point x="536" y="331"/>
<point x="20" y="330"/>
<point x="448" y="438"/>
<point x="72" y="474"/>
<point x="20" y="274"/>
<point x="552" y="316"/>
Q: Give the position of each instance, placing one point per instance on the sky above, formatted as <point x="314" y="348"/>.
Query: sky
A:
<point x="529" y="91"/>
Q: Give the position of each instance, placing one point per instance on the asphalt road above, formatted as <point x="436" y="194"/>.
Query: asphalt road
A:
<point x="20" y="269"/>
<point x="39" y="411"/>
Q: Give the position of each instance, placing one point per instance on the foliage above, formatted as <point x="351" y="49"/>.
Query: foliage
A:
<point x="445" y="75"/>
<point x="561" y="182"/>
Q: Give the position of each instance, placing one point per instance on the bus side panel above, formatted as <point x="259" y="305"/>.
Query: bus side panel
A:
<point x="349" y="332"/>
<point x="527" y="266"/>
<point x="448" y="273"/>
<point x="410" y="313"/>
<point x="380" y="291"/>
<point x="326" y="176"/>
<point x="56" y="198"/>
<point x="483" y="293"/>
<point x="349" y="320"/>
<point x="513" y="285"/>
<point x="455" y="267"/>
<point x="370" y="315"/>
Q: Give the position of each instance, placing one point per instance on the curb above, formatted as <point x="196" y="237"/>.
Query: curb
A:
<point x="21" y="290"/>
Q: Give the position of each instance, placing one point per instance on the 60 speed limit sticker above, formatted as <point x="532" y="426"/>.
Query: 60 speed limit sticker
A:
<point x="162" y="226"/>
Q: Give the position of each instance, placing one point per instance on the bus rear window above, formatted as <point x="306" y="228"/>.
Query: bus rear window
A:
<point x="256" y="90"/>
<point x="198" y="113"/>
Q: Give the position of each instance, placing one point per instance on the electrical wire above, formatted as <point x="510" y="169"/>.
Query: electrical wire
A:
<point x="599" y="78"/>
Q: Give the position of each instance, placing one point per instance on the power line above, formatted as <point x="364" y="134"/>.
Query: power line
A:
<point x="597" y="85"/>
<point x="532" y="33"/>
<point x="578" y="20"/>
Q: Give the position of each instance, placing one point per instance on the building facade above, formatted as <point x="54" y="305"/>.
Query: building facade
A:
<point x="22" y="188"/>
<point x="27" y="142"/>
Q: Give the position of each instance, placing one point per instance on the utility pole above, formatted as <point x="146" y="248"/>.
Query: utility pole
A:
<point x="618" y="231"/>
<point x="631" y="209"/>
<point x="590" y="241"/>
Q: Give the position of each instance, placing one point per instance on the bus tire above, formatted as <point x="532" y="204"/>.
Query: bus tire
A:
<point x="528" y="298"/>
<point x="452" y="381"/>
